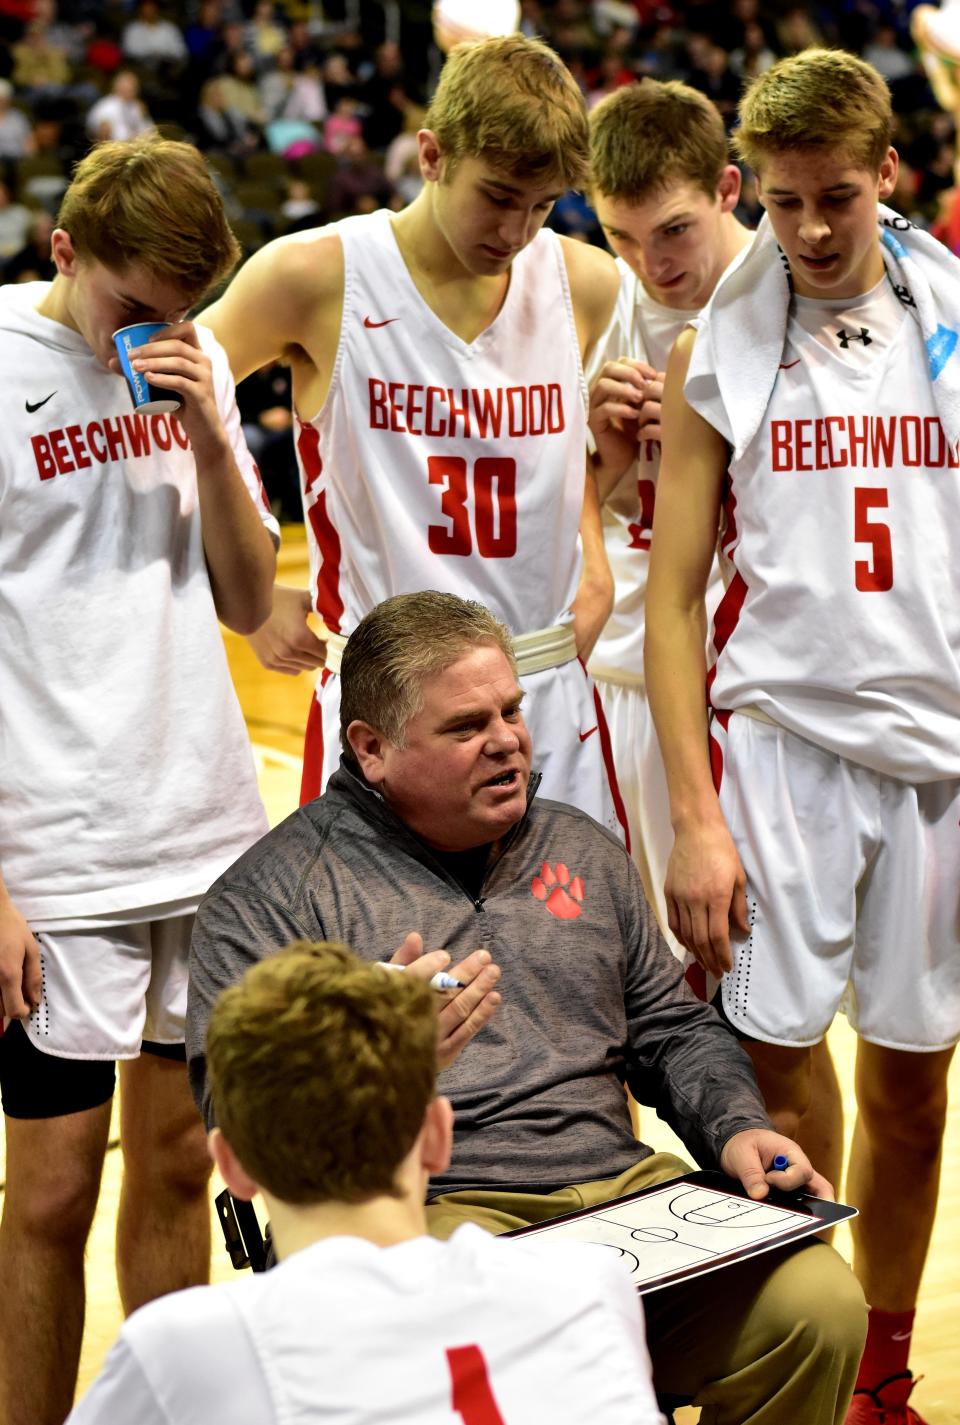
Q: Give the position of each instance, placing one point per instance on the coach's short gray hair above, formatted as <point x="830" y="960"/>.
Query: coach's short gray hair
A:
<point x="398" y="646"/>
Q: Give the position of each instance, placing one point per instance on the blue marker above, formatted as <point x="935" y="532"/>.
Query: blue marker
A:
<point x="440" y="981"/>
<point x="780" y="1162"/>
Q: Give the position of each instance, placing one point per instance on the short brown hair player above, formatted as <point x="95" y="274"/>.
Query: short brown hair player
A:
<point x="323" y="1072"/>
<point x="126" y="780"/>
<point x="815" y="800"/>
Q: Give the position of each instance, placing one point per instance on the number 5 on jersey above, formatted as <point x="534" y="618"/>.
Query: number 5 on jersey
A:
<point x="873" y="576"/>
<point x="489" y="519"/>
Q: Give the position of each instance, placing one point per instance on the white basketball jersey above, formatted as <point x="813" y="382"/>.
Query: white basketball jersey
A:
<point x="441" y="464"/>
<point x="841" y="620"/>
<point x="643" y="330"/>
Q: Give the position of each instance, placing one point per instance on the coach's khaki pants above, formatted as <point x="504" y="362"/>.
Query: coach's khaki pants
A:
<point x="772" y="1341"/>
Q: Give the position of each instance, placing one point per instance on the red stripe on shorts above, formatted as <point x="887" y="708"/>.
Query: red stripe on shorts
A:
<point x="312" y="778"/>
<point x="606" y="750"/>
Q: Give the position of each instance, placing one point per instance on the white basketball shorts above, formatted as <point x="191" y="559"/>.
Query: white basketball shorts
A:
<point x="643" y="786"/>
<point x="108" y="989"/>
<point x="853" y="879"/>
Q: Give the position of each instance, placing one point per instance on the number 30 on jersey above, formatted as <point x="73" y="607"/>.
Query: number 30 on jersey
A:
<point x="480" y="506"/>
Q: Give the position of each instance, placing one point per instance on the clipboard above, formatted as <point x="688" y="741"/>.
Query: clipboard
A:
<point x="693" y="1224"/>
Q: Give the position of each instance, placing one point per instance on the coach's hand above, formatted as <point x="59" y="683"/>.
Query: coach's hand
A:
<point x="19" y="962"/>
<point x="461" y="1013"/>
<point x="749" y="1157"/>
<point x="286" y="643"/>
<point x="705" y="891"/>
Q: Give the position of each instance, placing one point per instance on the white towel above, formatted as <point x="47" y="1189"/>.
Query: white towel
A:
<point x="741" y="333"/>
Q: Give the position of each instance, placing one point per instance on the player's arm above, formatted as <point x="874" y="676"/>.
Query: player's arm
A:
<point x="19" y="962"/>
<point x="287" y="299"/>
<point x="705" y="885"/>
<point x="594" y="597"/>
<point x="594" y="284"/>
<point x="288" y="295"/>
<point x="239" y="551"/>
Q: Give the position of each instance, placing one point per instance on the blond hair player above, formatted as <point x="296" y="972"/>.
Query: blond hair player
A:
<point x="441" y="404"/>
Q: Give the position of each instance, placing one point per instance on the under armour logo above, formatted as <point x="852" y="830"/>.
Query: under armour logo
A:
<point x="845" y="338"/>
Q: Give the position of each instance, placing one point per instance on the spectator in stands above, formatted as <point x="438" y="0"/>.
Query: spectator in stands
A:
<point x="307" y="100"/>
<point x="275" y="85"/>
<point x="121" y="114"/>
<point x="15" y="220"/>
<point x="359" y="184"/>
<point x="220" y="127"/>
<point x="754" y="56"/>
<point x="240" y="91"/>
<point x="33" y="262"/>
<point x="153" y="41"/>
<point x="40" y="69"/>
<point x="342" y="126"/>
<point x="885" y="54"/>
<point x="264" y="38"/>
<point x="402" y="161"/>
<point x="203" y="37"/>
<point x="15" y="136"/>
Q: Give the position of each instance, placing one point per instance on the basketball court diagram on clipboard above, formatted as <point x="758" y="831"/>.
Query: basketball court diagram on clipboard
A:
<point x="684" y="1227"/>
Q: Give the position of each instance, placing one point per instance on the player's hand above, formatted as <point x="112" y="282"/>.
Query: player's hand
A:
<point x="705" y="891"/>
<point x="624" y="409"/>
<point x="591" y="608"/>
<point x="749" y="1157"/>
<point x="286" y="643"/>
<point x="462" y="1013"/>
<point x="19" y="963"/>
<point x="174" y="361"/>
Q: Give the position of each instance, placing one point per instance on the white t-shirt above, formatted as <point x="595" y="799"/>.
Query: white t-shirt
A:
<point x="126" y="777"/>
<point x="422" y="1333"/>
<point x="841" y="620"/>
<point x="642" y="330"/>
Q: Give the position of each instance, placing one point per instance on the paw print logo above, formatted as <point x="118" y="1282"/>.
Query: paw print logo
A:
<point x="562" y="895"/>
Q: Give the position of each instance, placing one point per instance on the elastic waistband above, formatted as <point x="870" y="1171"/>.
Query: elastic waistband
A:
<point x="758" y="715"/>
<point x="535" y="651"/>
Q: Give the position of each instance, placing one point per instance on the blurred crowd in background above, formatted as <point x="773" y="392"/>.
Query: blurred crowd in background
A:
<point x="308" y="112"/>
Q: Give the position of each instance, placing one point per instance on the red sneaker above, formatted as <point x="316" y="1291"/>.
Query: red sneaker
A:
<point x="886" y="1404"/>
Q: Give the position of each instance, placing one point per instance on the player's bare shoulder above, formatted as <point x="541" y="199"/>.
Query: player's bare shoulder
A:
<point x="288" y="294"/>
<point x="594" y="285"/>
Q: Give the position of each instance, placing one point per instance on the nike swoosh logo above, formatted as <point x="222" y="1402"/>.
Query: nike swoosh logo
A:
<point x="368" y="323"/>
<point x="36" y="407"/>
<point x="589" y="733"/>
<point x="786" y="365"/>
<point x="901" y="1336"/>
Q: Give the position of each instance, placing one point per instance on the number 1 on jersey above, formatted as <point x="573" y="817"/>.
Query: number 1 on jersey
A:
<point x="472" y="1395"/>
<point x="874" y="576"/>
<point x="494" y="506"/>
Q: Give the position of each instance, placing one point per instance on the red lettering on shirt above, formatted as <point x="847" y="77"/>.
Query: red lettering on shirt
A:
<point x="377" y="391"/>
<point x="860" y="443"/>
<point x="46" y="465"/>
